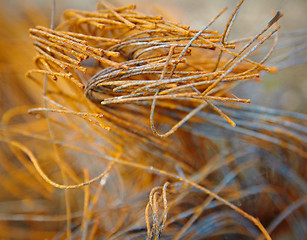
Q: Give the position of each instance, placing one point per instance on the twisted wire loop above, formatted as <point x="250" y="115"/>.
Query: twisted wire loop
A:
<point x="122" y="56"/>
<point x="157" y="197"/>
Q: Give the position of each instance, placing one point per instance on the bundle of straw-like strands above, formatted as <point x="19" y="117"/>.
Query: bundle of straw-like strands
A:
<point x="109" y="76"/>
<point x="151" y="59"/>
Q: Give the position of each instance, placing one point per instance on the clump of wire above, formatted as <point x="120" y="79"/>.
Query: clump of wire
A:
<point x="145" y="59"/>
<point x="120" y="57"/>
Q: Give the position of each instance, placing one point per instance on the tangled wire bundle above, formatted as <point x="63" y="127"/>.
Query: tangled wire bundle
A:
<point x="123" y="71"/>
<point x="147" y="59"/>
